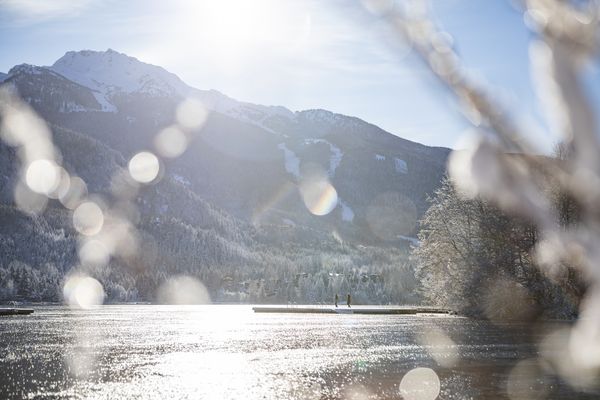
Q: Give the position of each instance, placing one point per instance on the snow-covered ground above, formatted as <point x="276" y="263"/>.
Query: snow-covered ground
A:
<point x="292" y="162"/>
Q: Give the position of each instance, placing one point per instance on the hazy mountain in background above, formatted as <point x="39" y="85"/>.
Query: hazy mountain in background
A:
<point x="234" y="200"/>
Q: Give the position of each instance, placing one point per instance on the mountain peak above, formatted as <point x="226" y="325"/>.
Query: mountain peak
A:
<point x="108" y="72"/>
<point x="26" y="68"/>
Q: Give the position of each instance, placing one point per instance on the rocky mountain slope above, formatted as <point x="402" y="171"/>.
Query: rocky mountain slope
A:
<point x="237" y="183"/>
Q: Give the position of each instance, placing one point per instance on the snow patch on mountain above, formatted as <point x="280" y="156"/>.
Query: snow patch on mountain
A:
<point x="336" y="154"/>
<point x="379" y="157"/>
<point x="292" y="162"/>
<point x="400" y="165"/>
<point x="347" y="213"/>
<point x="105" y="104"/>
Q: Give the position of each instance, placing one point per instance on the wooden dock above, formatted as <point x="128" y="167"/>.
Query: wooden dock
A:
<point x="15" y="311"/>
<point x="368" y="310"/>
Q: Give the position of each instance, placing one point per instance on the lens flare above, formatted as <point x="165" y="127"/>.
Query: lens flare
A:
<point x="183" y="290"/>
<point x="75" y="193"/>
<point x="319" y="196"/>
<point x="42" y="176"/>
<point x="94" y="252"/>
<point x="88" y="218"/>
<point x="64" y="183"/>
<point x="420" y="384"/>
<point x="28" y="201"/>
<point x="144" y="167"/>
<point x="82" y="291"/>
<point x="527" y="381"/>
<point x="170" y="142"/>
<point x="441" y="347"/>
<point x="191" y="113"/>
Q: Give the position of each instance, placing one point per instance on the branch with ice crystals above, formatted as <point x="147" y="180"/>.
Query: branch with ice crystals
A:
<point x="569" y="33"/>
<point x="485" y="170"/>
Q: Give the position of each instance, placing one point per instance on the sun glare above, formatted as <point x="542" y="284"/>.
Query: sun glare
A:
<point x="230" y="32"/>
<point x="239" y="22"/>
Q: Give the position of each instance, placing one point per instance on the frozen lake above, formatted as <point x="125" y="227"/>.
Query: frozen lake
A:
<point x="228" y="352"/>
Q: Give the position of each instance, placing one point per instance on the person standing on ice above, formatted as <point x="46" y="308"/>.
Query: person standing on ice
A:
<point x="337" y="298"/>
<point x="348" y="299"/>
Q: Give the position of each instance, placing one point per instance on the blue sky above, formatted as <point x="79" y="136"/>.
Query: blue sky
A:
<point x="300" y="54"/>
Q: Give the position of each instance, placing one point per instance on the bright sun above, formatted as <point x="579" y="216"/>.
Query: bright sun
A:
<point x="229" y="35"/>
<point x="237" y="24"/>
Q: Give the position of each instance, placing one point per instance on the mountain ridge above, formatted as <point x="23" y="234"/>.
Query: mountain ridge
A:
<point x="212" y="96"/>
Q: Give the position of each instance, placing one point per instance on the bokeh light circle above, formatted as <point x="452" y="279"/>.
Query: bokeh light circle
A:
<point x="191" y="113"/>
<point x="42" y="176"/>
<point x="420" y="384"/>
<point x="318" y="194"/>
<point x="144" y="167"/>
<point x="170" y="142"/>
<point x="88" y="218"/>
<point x="80" y="291"/>
<point x="183" y="289"/>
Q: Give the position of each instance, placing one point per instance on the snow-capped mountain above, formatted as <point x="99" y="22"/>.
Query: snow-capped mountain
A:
<point x="247" y="159"/>
<point x="110" y="73"/>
